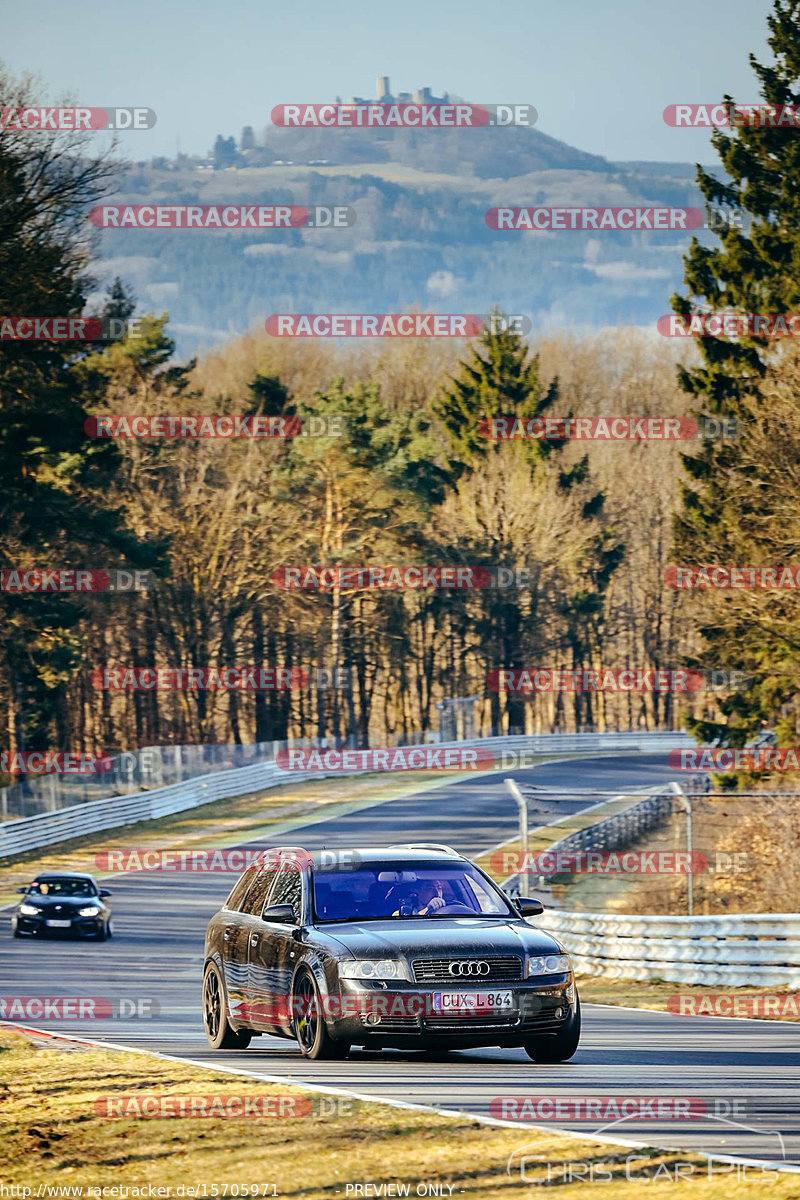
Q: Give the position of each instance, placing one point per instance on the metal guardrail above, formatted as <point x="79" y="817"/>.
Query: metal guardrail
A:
<point x="732" y="950"/>
<point x="614" y="832"/>
<point x="47" y="828"/>
<point x="159" y="766"/>
<point x="755" y="949"/>
<point x="621" y="830"/>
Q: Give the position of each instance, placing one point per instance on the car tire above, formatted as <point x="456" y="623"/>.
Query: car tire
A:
<point x="560" y="1047"/>
<point x="110" y="929"/>
<point x="308" y="1023"/>
<point x="220" y="1034"/>
<point x="102" y="933"/>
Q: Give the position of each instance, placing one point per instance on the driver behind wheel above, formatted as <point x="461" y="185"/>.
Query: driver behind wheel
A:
<point x="429" y="898"/>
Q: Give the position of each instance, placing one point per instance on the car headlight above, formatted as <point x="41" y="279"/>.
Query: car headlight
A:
<point x="29" y="910"/>
<point x="374" y="968"/>
<point x="91" y="910"/>
<point x="547" y="964"/>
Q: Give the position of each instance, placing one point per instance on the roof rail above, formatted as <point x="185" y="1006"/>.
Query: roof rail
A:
<point x="425" y="846"/>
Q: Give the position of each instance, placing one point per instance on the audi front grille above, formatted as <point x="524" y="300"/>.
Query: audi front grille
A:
<point x="437" y="970"/>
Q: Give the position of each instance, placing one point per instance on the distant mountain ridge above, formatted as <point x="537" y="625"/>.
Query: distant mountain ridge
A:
<point x="420" y="236"/>
<point x="484" y="153"/>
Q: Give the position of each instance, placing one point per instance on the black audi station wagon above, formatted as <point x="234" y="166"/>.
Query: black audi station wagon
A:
<point x="410" y="946"/>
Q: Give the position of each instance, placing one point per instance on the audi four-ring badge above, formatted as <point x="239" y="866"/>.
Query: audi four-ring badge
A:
<point x="409" y="946"/>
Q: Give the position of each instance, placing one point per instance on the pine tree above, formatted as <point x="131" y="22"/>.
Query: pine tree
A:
<point x="500" y="378"/>
<point x="54" y="505"/>
<point x="756" y="269"/>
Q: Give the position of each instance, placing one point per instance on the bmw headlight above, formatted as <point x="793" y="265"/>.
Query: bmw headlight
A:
<point x="547" y="964"/>
<point x="29" y="910"/>
<point x="374" y="968"/>
<point x="91" y="910"/>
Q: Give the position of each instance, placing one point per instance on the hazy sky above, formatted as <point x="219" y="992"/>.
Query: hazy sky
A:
<point x="599" y="74"/>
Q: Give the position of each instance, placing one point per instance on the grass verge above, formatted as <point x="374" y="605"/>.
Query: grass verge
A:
<point x="53" y="1135"/>
<point x="766" y="1003"/>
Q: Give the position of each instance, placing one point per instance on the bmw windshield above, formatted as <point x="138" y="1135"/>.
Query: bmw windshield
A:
<point x="382" y="891"/>
<point x="54" y="885"/>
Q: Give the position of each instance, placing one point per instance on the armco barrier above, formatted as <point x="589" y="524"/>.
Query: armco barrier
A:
<point x="45" y="829"/>
<point x="755" y="949"/>
<point x="623" y="828"/>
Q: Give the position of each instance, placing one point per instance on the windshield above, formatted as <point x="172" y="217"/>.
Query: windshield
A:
<point x="380" y="891"/>
<point x="62" y="887"/>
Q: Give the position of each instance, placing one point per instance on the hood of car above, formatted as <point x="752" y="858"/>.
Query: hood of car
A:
<point x="441" y="936"/>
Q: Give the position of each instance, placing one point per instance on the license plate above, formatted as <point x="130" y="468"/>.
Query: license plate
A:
<point x="481" y="1002"/>
<point x="60" y="924"/>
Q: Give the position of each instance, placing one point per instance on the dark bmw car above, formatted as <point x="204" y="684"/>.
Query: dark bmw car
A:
<point x="64" y="903"/>
<point x="410" y="946"/>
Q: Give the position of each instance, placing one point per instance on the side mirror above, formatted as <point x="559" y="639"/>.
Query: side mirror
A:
<point x="529" y="908"/>
<point x="282" y="914"/>
<point x="103" y="893"/>
<point x="22" y="891"/>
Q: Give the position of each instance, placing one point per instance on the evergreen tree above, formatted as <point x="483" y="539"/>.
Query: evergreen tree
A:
<point x="120" y="304"/>
<point x="499" y="379"/>
<point x="755" y="269"/>
<point x="54" y="506"/>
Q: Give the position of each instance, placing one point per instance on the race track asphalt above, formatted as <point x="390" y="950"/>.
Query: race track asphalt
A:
<point x="746" y="1071"/>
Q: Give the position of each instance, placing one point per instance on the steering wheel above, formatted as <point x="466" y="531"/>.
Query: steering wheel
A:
<point x="455" y="907"/>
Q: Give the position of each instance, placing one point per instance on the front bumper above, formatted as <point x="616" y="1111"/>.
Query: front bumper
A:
<point x="403" y="1014"/>
<point x="78" y="926"/>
